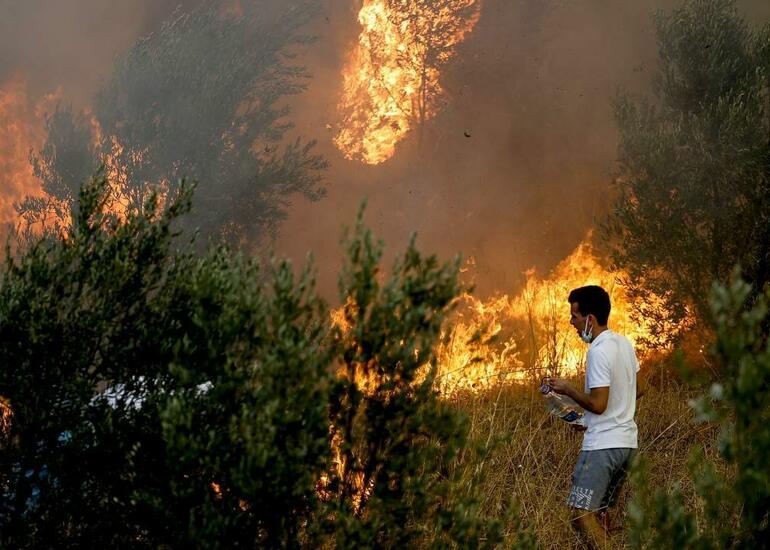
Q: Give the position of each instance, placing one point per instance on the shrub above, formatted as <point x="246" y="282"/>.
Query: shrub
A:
<point x="736" y="504"/>
<point x="165" y="399"/>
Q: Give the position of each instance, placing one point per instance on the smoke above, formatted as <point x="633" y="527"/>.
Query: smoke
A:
<point x="513" y="172"/>
<point x="199" y="98"/>
<point x="70" y="44"/>
<point x="50" y="51"/>
<point x="518" y="167"/>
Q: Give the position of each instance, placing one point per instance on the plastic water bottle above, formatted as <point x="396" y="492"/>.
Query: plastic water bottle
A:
<point x="562" y="406"/>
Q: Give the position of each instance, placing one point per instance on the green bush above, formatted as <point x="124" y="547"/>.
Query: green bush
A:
<point x="694" y="177"/>
<point x="217" y="375"/>
<point x="395" y="438"/>
<point x="166" y="399"/>
<point x="735" y="503"/>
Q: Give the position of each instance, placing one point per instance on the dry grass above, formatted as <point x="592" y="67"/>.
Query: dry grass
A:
<point x="533" y="453"/>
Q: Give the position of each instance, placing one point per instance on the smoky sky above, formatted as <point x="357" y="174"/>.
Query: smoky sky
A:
<point x="514" y="170"/>
<point x="69" y="45"/>
<point x="518" y="167"/>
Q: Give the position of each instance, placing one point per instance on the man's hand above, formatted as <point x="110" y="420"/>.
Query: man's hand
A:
<point x="579" y="427"/>
<point x="559" y="385"/>
<point x="595" y="401"/>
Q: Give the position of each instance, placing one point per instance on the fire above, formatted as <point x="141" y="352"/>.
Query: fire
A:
<point x="23" y="123"/>
<point x="528" y="335"/>
<point x="391" y="81"/>
<point x="22" y="129"/>
<point x="122" y="196"/>
<point x="556" y="346"/>
<point x="340" y="319"/>
<point x="503" y="340"/>
<point x="477" y="350"/>
<point x="6" y="417"/>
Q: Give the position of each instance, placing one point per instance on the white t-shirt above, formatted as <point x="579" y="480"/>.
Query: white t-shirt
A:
<point x="612" y="362"/>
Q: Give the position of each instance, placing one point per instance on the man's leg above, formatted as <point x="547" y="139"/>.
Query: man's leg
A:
<point x="588" y="524"/>
<point x="591" y="480"/>
<point x="605" y="518"/>
<point x="609" y="515"/>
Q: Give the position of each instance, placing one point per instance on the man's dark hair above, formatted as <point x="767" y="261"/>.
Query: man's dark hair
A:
<point x="592" y="299"/>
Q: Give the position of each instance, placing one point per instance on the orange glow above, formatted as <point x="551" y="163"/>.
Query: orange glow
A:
<point x="477" y="350"/>
<point x="22" y="129"/>
<point x="6" y="416"/>
<point x="23" y="126"/>
<point x="528" y="335"/>
<point x="391" y="80"/>
<point x="557" y="346"/>
<point x="122" y="197"/>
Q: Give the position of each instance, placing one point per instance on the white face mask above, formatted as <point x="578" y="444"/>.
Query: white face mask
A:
<point x="587" y="335"/>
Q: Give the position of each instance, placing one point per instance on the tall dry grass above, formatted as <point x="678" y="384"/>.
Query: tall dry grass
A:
<point x="532" y="454"/>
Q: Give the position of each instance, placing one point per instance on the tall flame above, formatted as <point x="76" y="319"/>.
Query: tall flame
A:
<point x="22" y="130"/>
<point x="528" y="335"/>
<point x="6" y="417"/>
<point x="391" y="81"/>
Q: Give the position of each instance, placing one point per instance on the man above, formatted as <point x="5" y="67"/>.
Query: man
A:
<point x="609" y="399"/>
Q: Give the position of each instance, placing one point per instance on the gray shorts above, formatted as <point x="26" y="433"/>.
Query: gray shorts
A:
<point x="598" y="477"/>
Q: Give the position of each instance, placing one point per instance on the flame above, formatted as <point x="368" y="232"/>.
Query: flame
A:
<point x="117" y="201"/>
<point x="476" y="351"/>
<point x="6" y="417"/>
<point x="527" y="335"/>
<point x="23" y="130"/>
<point x="341" y="319"/>
<point x="505" y="339"/>
<point x="122" y="198"/>
<point x="23" y="124"/>
<point x="556" y="347"/>
<point x="391" y="80"/>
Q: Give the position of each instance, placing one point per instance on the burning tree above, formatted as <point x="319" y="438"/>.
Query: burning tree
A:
<point x="17" y="119"/>
<point x="391" y="83"/>
<point x="394" y="484"/>
<point x="695" y="164"/>
<point x="68" y="155"/>
<point x="198" y="99"/>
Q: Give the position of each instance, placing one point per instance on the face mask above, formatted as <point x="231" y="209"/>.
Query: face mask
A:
<point x="586" y="336"/>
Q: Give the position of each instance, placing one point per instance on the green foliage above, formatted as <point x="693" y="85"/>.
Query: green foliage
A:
<point x="166" y="399"/>
<point x="201" y="99"/>
<point x="217" y="375"/>
<point x="391" y="487"/>
<point x="261" y="432"/>
<point x="694" y="181"/>
<point x="736" y="507"/>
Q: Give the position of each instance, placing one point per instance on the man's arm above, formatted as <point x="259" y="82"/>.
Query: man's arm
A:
<point x="595" y="402"/>
<point x="641" y="385"/>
